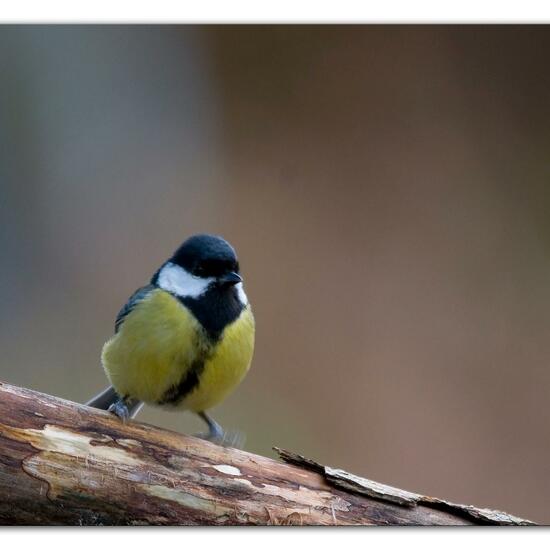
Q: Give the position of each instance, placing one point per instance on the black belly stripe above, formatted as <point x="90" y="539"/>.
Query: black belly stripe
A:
<point x="216" y="309"/>
<point x="175" y="393"/>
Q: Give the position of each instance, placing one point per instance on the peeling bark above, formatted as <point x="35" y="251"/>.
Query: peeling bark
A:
<point x="67" y="464"/>
<point x="355" y="484"/>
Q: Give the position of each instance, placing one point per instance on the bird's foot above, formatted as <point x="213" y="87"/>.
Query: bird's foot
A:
<point x="231" y="438"/>
<point x="120" y="409"/>
<point x="218" y="436"/>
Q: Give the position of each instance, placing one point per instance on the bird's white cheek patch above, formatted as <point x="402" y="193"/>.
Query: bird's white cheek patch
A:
<point x="175" y="279"/>
<point x="241" y="294"/>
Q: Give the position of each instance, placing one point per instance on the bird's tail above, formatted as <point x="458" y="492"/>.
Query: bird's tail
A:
<point x="104" y="399"/>
<point x="109" y="397"/>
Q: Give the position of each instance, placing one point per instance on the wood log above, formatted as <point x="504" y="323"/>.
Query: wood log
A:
<point x="62" y="463"/>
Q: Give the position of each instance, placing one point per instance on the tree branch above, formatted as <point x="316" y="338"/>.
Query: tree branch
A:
<point x="67" y="464"/>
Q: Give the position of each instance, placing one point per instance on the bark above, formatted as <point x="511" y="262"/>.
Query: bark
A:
<point x="63" y="463"/>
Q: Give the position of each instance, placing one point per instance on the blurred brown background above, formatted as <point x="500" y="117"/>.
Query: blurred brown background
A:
<point x="386" y="187"/>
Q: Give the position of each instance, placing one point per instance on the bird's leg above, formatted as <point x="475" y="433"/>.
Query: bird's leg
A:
<point x="215" y="431"/>
<point x="216" y="434"/>
<point x="125" y="408"/>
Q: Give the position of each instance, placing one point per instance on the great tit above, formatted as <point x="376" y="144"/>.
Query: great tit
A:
<point x="185" y="340"/>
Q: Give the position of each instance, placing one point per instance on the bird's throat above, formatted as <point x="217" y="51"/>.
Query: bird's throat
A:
<point x="215" y="309"/>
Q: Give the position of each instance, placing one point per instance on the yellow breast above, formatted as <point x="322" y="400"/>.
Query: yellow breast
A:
<point x="158" y="343"/>
<point x="227" y="366"/>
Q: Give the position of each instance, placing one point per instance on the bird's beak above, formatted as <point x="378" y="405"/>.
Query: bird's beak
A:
<point x="230" y="279"/>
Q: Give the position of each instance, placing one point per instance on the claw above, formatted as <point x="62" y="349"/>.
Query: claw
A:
<point x="216" y="434"/>
<point x="232" y="438"/>
<point x="120" y="409"/>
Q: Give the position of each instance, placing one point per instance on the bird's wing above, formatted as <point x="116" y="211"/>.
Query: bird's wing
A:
<point x="109" y="396"/>
<point x="134" y="299"/>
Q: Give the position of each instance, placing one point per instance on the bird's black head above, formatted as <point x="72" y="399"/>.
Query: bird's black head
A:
<point x="208" y="256"/>
<point x="201" y="263"/>
<point x="203" y="274"/>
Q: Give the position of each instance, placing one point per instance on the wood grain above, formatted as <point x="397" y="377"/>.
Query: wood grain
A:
<point x="63" y="463"/>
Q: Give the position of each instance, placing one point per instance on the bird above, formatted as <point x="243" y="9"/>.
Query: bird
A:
<point x="184" y="341"/>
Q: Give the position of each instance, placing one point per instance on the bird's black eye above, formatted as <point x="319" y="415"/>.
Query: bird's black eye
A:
<point x="199" y="270"/>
